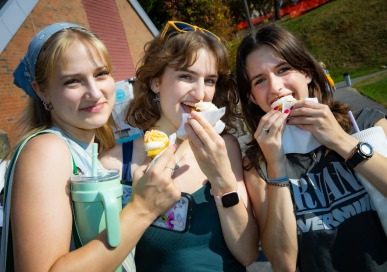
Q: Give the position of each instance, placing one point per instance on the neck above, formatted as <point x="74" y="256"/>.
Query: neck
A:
<point x="81" y="135"/>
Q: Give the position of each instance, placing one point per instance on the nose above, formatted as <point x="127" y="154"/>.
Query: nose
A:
<point x="93" y="91"/>
<point x="198" y="90"/>
<point x="276" y="85"/>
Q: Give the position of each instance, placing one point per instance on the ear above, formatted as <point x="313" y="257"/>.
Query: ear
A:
<point x="155" y="84"/>
<point x="40" y="92"/>
<point x="308" y="78"/>
<point x="252" y="99"/>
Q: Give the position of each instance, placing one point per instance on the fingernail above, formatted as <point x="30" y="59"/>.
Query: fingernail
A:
<point x="276" y="107"/>
<point x="287" y="111"/>
<point x="291" y="107"/>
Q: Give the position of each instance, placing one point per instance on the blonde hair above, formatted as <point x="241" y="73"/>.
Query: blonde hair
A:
<point x="35" y="117"/>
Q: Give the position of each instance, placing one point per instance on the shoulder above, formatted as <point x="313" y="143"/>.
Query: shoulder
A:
<point x="45" y="154"/>
<point x="230" y="139"/>
<point x="112" y="158"/>
<point x="139" y="153"/>
<point x="231" y="143"/>
<point x="368" y="117"/>
<point x="46" y="144"/>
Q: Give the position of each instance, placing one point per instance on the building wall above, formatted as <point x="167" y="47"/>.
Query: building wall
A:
<point x="91" y="14"/>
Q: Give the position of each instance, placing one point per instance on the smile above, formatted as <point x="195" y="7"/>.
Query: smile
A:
<point x="188" y="106"/>
<point x="94" y="108"/>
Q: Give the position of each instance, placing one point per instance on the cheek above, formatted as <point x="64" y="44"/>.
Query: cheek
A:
<point x="209" y="94"/>
<point x="299" y="83"/>
<point x="260" y="98"/>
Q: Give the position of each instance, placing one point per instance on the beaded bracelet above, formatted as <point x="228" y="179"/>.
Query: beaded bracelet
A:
<point x="281" y="182"/>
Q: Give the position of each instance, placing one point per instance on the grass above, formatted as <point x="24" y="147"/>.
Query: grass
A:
<point x="374" y="88"/>
<point x="349" y="36"/>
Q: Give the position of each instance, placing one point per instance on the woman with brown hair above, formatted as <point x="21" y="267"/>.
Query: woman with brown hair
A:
<point x="313" y="212"/>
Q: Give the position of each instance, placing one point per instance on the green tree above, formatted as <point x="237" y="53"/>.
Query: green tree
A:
<point x="213" y="15"/>
<point x="156" y="12"/>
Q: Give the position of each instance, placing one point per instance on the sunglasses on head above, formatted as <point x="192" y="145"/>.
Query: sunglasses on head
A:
<point x="185" y="27"/>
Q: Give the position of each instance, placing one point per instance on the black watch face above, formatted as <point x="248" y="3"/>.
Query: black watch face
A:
<point x="230" y="199"/>
<point x="366" y="149"/>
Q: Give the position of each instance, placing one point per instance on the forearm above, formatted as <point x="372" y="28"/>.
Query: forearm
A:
<point x="240" y="232"/>
<point x="279" y="236"/>
<point x="97" y="255"/>
<point x="374" y="171"/>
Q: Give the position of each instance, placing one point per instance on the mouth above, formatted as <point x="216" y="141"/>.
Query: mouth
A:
<point x="279" y="97"/>
<point x="187" y="106"/>
<point x="94" y="108"/>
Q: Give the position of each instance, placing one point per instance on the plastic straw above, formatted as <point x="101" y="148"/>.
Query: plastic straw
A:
<point x="94" y="159"/>
<point x="353" y="121"/>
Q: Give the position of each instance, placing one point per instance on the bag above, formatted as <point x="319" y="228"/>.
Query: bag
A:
<point x="6" y="250"/>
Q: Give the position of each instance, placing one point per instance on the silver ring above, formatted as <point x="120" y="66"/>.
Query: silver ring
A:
<point x="173" y="170"/>
<point x="266" y="130"/>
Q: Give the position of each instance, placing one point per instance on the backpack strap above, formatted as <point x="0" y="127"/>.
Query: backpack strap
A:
<point x="127" y="150"/>
<point x="6" y="250"/>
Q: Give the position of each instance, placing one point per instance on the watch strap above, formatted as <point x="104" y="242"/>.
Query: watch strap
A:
<point x="356" y="157"/>
<point x="218" y="199"/>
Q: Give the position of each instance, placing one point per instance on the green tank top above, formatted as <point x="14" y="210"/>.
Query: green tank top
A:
<point x="202" y="248"/>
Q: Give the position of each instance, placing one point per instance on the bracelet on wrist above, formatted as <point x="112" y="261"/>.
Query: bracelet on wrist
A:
<point x="281" y="182"/>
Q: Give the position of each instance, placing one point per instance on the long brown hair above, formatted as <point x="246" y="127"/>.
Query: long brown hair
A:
<point x="294" y="53"/>
<point x="179" y="50"/>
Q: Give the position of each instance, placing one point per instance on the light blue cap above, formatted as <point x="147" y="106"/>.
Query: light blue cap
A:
<point x="25" y="71"/>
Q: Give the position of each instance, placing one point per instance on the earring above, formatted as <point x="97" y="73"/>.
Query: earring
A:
<point x="252" y="100"/>
<point x="48" y="106"/>
<point x="157" y="97"/>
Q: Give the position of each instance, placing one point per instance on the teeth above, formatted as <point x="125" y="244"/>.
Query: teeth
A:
<point x="191" y="104"/>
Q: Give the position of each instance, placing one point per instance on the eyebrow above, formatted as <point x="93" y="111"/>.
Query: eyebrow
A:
<point x="193" y="72"/>
<point x="278" y="65"/>
<point x="97" y="69"/>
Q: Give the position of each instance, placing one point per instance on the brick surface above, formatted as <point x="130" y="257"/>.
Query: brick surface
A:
<point x="132" y="34"/>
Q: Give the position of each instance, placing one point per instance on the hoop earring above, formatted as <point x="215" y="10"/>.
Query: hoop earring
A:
<point x="48" y="106"/>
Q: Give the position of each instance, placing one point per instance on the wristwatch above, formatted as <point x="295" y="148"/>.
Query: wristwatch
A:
<point x="363" y="151"/>
<point x="228" y="199"/>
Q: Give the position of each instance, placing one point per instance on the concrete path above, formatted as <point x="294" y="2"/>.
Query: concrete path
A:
<point x="356" y="101"/>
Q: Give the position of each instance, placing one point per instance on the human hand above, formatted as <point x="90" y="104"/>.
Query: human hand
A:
<point x="210" y="152"/>
<point x="154" y="191"/>
<point x="269" y="136"/>
<point x="319" y="120"/>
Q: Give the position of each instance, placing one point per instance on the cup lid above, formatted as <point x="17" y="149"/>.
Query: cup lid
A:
<point x="102" y="175"/>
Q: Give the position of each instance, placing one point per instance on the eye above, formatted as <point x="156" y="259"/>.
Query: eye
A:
<point x="103" y="73"/>
<point x="284" y="69"/>
<point x="185" y="76"/>
<point x="258" y="81"/>
<point x="71" y="81"/>
<point x="211" y="81"/>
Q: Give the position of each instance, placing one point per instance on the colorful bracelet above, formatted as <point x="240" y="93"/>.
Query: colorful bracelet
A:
<point x="281" y="182"/>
